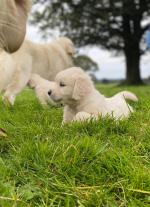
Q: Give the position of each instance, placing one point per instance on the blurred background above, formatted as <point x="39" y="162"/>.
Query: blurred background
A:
<point x="109" y="35"/>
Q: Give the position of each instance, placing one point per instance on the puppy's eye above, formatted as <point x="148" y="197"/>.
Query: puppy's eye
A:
<point x="62" y="84"/>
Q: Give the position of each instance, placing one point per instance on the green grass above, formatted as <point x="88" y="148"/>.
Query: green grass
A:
<point x="104" y="163"/>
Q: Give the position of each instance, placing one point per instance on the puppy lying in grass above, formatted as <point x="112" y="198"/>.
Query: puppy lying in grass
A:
<point x="74" y="88"/>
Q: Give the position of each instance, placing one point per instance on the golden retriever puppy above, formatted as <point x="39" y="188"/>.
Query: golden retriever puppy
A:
<point x="43" y="59"/>
<point x="74" y="88"/>
<point x="13" y="17"/>
<point x="41" y="87"/>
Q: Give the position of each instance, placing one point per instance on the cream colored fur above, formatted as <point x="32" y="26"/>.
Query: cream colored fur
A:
<point x="74" y="88"/>
<point x="18" y="80"/>
<point x="41" y="87"/>
<point x="6" y="75"/>
<point x="13" y="17"/>
<point x="43" y="59"/>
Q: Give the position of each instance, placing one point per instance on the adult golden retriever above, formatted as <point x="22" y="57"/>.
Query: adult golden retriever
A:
<point x="74" y="88"/>
<point x="13" y="17"/>
<point x="45" y="60"/>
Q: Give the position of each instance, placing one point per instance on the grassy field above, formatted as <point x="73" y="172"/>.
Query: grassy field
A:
<point x="102" y="164"/>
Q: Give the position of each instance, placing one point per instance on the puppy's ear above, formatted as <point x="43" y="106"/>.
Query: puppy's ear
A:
<point x="83" y="86"/>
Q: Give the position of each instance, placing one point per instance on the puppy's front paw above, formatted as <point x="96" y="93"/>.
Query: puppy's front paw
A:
<point x="64" y="123"/>
<point x="8" y="100"/>
<point x="83" y="116"/>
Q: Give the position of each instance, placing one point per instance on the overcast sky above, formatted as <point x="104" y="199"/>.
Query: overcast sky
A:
<point x="110" y="67"/>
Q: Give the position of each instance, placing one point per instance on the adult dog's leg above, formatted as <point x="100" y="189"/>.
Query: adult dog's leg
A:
<point x="18" y="83"/>
<point x="7" y="70"/>
<point x="14" y="88"/>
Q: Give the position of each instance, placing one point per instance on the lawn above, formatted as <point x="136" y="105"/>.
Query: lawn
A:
<point x="101" y="163"/>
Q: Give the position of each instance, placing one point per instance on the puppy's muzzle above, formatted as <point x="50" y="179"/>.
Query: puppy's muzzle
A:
<point x="53" y="97"/>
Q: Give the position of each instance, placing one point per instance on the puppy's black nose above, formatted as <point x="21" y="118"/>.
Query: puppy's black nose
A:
<point x="49" y="92"/>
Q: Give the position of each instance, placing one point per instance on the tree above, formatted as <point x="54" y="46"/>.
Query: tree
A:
<point x="86" y="63"/>
<point x="111" y="24"/>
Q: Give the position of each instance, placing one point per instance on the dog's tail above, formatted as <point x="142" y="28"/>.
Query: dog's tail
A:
<point x="128" y="95"/>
